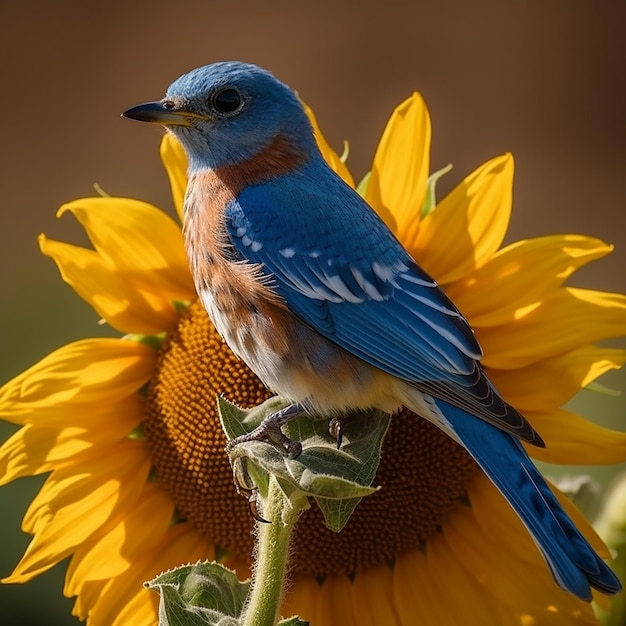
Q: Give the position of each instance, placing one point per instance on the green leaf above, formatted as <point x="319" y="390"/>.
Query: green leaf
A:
<point x="336" y="478"/>
<point x="199" y="595"/>
<point x="237" y="421"/>
<point x="430" y="201"/>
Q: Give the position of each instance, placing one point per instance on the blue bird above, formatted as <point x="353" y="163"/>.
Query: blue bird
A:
<point x="310" y="288"/>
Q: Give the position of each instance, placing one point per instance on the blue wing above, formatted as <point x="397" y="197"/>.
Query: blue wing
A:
<point x="340" y="269"/>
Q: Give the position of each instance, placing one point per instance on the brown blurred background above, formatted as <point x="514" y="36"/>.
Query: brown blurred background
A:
<point x="545" y="80"/>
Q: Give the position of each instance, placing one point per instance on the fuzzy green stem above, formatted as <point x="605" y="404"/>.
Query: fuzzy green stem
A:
<point x="272" y="556"/>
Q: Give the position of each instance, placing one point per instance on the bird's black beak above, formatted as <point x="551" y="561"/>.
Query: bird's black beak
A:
<point x="159" y="112"/>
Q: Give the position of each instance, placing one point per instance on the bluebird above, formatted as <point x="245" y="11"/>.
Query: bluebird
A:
<point x="309" y="287"/>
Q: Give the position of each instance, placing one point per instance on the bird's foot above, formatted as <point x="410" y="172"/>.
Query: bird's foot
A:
<point x="245" y="486"/>
<point x="270" y="430"/>
<point x="335" y="428"/>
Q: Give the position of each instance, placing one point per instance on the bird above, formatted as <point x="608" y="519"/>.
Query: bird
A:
<point x="310" y="288"/>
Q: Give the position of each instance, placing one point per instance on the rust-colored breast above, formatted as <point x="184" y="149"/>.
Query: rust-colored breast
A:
<point x="239" y="293"/>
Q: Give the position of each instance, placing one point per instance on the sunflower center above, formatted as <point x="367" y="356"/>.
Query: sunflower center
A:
<point x="423" y="473"/>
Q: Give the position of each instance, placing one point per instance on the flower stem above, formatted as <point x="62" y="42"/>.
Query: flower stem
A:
<point x="272" y="555"/>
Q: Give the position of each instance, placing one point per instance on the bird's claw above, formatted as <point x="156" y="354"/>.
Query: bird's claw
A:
<point x="246" y="487"/>
<point x="253" y="501"/>
<point x="270" y="430"/>
<point x="335" y="428"/>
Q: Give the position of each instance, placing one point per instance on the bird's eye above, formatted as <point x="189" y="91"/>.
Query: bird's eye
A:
<point x="227" y="101"/>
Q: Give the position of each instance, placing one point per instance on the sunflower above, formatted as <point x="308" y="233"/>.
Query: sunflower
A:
<point x="128" y="428"/>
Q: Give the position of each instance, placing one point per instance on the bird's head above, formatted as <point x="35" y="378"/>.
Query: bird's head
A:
<point x="228" y="112"/>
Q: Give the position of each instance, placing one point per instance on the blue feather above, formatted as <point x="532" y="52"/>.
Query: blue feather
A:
<point x="345" y="255"/>
<point x="341" y="270"/>
<point x="572" y="561"/>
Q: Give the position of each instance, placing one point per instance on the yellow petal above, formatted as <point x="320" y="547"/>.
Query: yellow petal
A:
<point x="524" y="584"/>
<point x="467" y="227"/>
<point x="137" y="240"/>
<point x="569" y="319"/>
<point x="175" y="161"/>
<point x="140" y="532"/>
<point x="322" y="604"/>
<point x="448" y="573"/>
<point x="32" y="450"/>
<point x="571" y="439"/>
<point x="554" y="381"/>
<point x="418" y="596"/>
<point x="111" y="293"/>
<point x="521" y="275"/>
<point x="67" y="486"/>
<point x="35" y="449"/>
<point x="372" y="598"/>
<point x="84" y="374"/>
<point x="108" y="421"/>
<point x="124" y="600"/>
<point x="331" y="157"/>
<point x="339" y="610"/>
<point x="397" y="186"/>
<point x="88" y="596"/>
<point x="76" y="503"/>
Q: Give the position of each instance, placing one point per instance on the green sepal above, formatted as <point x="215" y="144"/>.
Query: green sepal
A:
<point x="336" y="478"/>
<point x="204" y="594"/>
<point x="430" y="201"/>
<point x="603" y="389"/>
<point x="155" y="342"/>
<point x="361" y="188"/>
<point x="346" y="152"/>
<point x="181" y="305"/>
<point x="101" y="192"/>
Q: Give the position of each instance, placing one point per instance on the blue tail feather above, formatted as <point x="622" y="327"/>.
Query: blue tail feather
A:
<point x="573" y="562"/>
